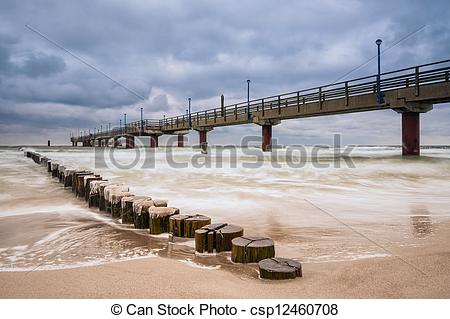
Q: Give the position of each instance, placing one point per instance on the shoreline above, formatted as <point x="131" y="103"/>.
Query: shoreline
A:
<point x="413" y="272"/>
<point x="384" y="277"/>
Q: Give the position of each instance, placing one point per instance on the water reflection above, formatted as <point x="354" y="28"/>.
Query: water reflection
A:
<point x="422" y="225"/>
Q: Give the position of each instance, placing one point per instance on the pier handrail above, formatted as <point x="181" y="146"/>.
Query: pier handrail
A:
<point x="406" y="77"/>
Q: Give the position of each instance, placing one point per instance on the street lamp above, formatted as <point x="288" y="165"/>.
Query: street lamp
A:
<point x="248" y="99"/>
<point x="380" y="99"/>
<point x="125" y="121"/>
<point x="142" y="120"/>
<point x="189" y="107"/>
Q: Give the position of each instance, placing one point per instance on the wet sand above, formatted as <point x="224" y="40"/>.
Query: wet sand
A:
<point x="423" y="273"/>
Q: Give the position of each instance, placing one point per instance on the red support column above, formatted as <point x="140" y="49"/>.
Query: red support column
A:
<point x="410" y="133"/>
<point x="266" y="138"/>
<point x="153" y="140"/>
<point x="203" y="138"/>
<point x="129" y="141"/>
<point x="180" y="140"/>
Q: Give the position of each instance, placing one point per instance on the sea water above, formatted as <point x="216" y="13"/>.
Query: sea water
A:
<point x="317" y="208"/>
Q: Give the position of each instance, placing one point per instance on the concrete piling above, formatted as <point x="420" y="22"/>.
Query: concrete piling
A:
<point x="93" y="200"/>
<point x="67" y="179"/>
<point x="127" y="204"/>
<point x="75" y="176"/>
<point x="54" y="167"/>
<point x="107" y="194"/>
<point x="279" y="268"/>
<point x="101" y="195"/>
<point x="80" y="190"/>
<point x="116" y="202"/>
<point x="141" y="212"/>
<point x="87" y="185"/>
<point x="216" y="237"/>
<point x="159" y="219"/>
<point x="186" y="225"/>
<point x="251" y="249"/>
<point x="154" y="215"/>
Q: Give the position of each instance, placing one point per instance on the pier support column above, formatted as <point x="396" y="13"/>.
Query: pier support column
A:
<point x="203" y="137"/>
<point x="129" y="141"/>
<point x="410" y="133"/>
<point x="154" y="140"/>
<point x="266" y="132"/>
<point x="411" y="126"/>
<point x="266" y="138"/>
<point x="99" y="143"/>
<point x="180" y="140"/>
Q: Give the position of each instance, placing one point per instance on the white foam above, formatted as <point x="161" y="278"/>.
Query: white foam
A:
<point x="195" y="265"/>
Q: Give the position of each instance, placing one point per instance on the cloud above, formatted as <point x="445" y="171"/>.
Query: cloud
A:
<point x="167" y="51"/>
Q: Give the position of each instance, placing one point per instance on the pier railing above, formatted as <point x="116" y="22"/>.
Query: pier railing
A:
<point x="415" y="77"/>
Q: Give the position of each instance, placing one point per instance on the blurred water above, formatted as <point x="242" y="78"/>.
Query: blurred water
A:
<point x="311" y="213"/>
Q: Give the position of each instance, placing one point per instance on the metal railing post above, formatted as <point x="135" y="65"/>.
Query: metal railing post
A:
<point x="417" y="81"/>
<point x="262" y="106"/>
<point x="346" y="93"/>
<point x="320" y="98"/>
<point x="279" y="104"/>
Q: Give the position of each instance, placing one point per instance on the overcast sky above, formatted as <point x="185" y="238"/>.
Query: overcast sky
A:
<point x="166" y="51"/>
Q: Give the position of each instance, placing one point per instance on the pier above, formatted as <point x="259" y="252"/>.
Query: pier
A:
<point x="409" y="92"/>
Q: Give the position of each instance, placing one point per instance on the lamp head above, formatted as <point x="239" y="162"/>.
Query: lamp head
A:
<point x="378" y="42"/>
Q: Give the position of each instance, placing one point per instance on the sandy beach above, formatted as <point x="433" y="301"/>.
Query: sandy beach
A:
<point x="415" y="273"/>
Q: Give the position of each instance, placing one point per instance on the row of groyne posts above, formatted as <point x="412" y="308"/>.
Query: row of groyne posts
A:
<point x="154" y="215"/>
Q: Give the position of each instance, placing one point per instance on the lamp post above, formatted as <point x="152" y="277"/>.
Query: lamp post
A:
<point x="125" y="122"/>
<point x="248" y="99"/>
<point x="109" y="127"/>
<point x="380" y="99"/>
<point x="120" y="125"/>
<point x="189" y="108"/>
<point x="142" y="120"/>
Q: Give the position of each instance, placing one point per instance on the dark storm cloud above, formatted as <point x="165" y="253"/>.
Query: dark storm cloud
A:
<point x="169" y="50"/>
<point x="41" y="64"/>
